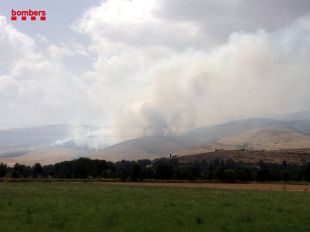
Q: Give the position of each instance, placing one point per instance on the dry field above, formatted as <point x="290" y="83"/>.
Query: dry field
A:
<point x="286" y="187"/>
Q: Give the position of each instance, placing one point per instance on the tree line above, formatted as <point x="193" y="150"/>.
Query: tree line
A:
<point x="161" y="169"/>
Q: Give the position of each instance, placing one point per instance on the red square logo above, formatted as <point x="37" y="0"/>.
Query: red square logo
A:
<point x="14" y="18"/>
<point x="33" y="18"/>
<point x="43" y="18"/>
<point x="24" y="18"/>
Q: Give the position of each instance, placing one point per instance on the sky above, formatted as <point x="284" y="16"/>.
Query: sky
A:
<point x="160" y="65"/>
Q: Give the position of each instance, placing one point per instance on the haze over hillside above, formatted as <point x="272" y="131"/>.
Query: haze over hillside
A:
<point x="154" y="69"/>
<point x="45" y="144"/>
<point x="256" y="133"/>
<point x="54" y="143"/>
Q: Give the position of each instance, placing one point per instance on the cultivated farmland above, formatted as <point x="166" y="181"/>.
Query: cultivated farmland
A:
<point x="101" y="207"/>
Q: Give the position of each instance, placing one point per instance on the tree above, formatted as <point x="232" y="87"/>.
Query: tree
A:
<point x="244" y="174"/>
<point x="83" y="168"/>
<point x="264" y="174"/>
<point x="37" y="170"/>
<point x="307" y="173"/>
<point x="193" y="172"/>
<point x="229" y="175"/>
<point x="123" y="169"/>
<point x="3" y="169"/>
<point x="163" y="170"/>
<point x="135" y="172"/>
<point x="18" y="170"/>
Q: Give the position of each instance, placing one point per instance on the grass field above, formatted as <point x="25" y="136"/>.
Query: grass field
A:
<point x="100" y="207"/>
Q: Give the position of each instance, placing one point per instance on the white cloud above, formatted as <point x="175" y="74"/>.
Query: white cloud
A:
<point x="221" y="17"/>
<point x="147" y="69"/>
<point x="35" y="87"/>
<point x="134" y="23"/>
<point x="142" y="73"/>
<point x="14" y="45"/>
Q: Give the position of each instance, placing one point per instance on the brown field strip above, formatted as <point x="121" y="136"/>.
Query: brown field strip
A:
<point x="302" y="187"/>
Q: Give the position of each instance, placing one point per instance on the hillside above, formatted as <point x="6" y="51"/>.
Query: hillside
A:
<point x="45" y="155"/>
<point x="54" y="143"/>
<point x="143" y="148"/>
<point x="41" y="144"/>
<point x="291" y="156"/>
<point x="268" y="139"/>
<point x="257" y="133"/>
<point x="33" y="136"/>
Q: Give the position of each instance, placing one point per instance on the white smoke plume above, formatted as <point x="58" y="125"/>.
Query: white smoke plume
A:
<point x="154" y="74"/>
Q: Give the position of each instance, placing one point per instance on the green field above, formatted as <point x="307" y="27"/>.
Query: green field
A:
<point x="99" y="207"/>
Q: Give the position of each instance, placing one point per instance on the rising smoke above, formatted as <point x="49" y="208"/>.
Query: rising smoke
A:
<point x="151" y="74"/>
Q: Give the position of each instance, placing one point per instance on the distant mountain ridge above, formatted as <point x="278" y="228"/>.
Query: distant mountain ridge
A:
<point x="45" y="144"/>
<point x="285" y="132"/>
<point x="33" y="136"/>
<point x="296" y="116"/>
<point x="268" y="133"/>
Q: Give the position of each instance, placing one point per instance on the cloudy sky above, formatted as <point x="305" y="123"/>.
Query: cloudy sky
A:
<point x="144" y="62"/>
